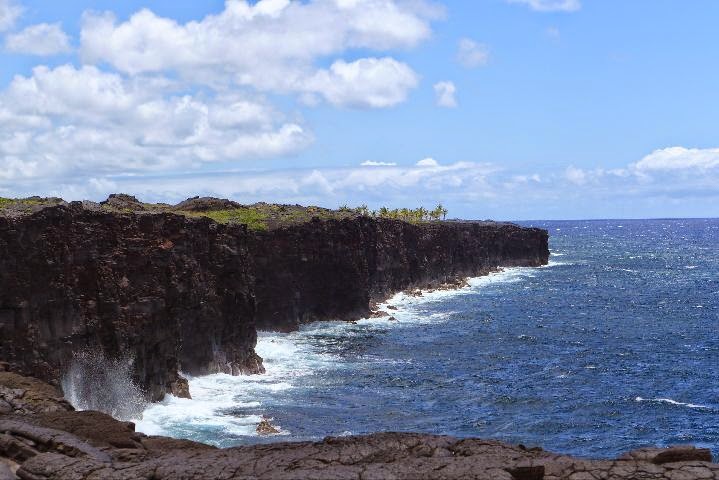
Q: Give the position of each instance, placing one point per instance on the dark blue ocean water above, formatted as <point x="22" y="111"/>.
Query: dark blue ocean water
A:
<point x="613" y="346"/>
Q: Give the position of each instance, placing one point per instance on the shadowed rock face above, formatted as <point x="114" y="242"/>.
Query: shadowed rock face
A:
<point x="168" y="292"/>
<point x="176" y="293"/>
<point x="55" y="443"/>
<point x="326" y="270"/>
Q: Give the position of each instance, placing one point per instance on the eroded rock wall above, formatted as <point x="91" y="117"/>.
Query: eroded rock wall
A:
<point x="333" y="269"/>
<point x="175" y="293"/>
<point x="167" y="292"/>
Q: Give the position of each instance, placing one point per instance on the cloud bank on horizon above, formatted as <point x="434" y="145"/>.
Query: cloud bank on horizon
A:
<point x="243" y="102"/>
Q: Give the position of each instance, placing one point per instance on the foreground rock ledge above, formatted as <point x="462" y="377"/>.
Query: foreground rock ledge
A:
<point x="41" y="437"/>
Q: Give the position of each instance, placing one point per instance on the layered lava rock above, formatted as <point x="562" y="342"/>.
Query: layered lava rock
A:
<point x="185" y="287"/>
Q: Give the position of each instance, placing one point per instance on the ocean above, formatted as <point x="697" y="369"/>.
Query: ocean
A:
<point x="612" y="346"/>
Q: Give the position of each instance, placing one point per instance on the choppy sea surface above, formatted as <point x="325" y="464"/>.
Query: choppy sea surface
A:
<point x="612" y="346"/>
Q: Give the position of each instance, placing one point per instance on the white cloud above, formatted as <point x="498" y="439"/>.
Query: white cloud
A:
<point x="67" y="121"/>
<point x="679" y="158"/>
<point x="471" y="54"/>
<point x="575" y="175"/>
<point x="427" y="162"/>
<point x="445" y="94"/>
<point x="372" y="163"/>
<point x="365" y="83"/>
<point x="389" y="184"/>
<point x="468" y="189"/>
<point x="41" y="39"/>
<point x="273" y="45"/>
<point x="9" y="13"/>
<point x="551" y="5"/>
<point x="173" y="96"/>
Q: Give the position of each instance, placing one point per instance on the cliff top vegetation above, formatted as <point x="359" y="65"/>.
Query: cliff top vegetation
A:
<point x="258" y="216"/>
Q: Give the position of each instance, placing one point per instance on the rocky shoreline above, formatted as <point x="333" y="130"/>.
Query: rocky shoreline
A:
<point x="182" y="288"/>
<point x="166" y="290"/>
<point x="43" y="438"/>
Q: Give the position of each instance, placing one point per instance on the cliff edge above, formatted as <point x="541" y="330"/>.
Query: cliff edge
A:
<point x="170" y="288"/>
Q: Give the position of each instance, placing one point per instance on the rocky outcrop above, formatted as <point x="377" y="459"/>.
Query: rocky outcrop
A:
<point x="42" y="438"/>
<point x="26" y="395"/>
<point x="171" y="290"/>
<point x="91" y="445"/>
<point x="168" y="292"/>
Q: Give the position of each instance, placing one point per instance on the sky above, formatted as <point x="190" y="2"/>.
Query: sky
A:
<point x="503" y="109"/>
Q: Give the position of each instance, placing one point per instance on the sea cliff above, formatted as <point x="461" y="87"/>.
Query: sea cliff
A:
<point x="181" y="288"/>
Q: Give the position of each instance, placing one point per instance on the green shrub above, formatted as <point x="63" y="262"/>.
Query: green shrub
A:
<point x="252" y="217"/>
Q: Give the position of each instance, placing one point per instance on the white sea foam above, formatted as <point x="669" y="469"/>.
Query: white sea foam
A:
<point x="555" y="263"/>
<point x="223" y="405"/>
<point x="95" y="382"/>
<point x="672" y="402"/>
<point x="234" y="405"/>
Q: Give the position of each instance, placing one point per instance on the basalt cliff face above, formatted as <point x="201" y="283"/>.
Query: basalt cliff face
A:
<point x="174" y="292"/>
<point x="325" y="270"/>
<point x="163" y="290"/>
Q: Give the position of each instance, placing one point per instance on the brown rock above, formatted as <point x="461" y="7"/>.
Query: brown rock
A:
<point x="180" y="388"/>
<point x="24" y="395"/>
<point x="266" y="428"/>
<point x="204" y="204"/>
<point x="123" y="202"/>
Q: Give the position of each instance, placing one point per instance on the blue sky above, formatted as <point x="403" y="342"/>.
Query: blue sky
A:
<point x="507" y="109"/>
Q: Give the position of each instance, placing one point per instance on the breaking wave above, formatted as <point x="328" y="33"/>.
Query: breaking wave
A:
<point x="95" y="382"/>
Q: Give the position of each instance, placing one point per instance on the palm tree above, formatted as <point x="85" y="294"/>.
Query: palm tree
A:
<point x="421" y="213"/>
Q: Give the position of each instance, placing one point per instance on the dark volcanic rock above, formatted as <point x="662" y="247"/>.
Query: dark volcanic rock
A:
<point x="60" y="455"/>
<point x="171" y="292"/>
<point x="334" y="269"/>
<point x="24" y="395"/>
<point x="204" y="204"/>
<point x="121" y="201"/>
<point x="184" y="293"/>
<point x="58" y="445"/>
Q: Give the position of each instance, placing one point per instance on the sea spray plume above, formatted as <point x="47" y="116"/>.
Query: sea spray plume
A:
<point x="96" y="382"/>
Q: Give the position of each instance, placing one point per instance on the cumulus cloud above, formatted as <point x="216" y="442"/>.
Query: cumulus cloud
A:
<point x="66" y="120"/>
<point x="445" y="94"/>
<point x="471" y="54"/>
<point x="575" y="175"/>
<point x="364" y="83"/>
<point x="9" y="13"/>
<point x="272" y="45"/>
<point x="679" y="158"/>
<point x="551" y="5"/>
<point x="41" y="39"/>
<point x="157" y="95"/>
